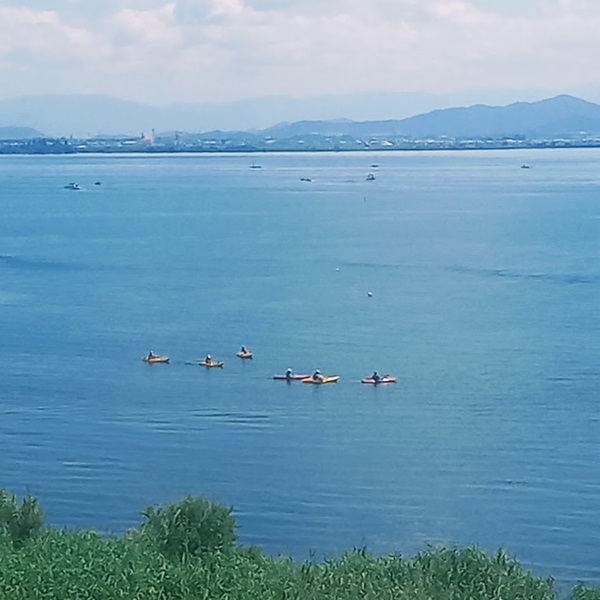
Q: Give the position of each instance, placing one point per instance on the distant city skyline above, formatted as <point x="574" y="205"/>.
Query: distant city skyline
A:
<point x="163" y="52"/>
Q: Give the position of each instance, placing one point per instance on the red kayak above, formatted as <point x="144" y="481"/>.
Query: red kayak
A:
<point x="386" y="379"/>
<point x="156" y="359"/>
<point x="292" y="377"/>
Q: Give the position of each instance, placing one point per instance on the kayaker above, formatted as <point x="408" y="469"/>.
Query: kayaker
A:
<point x="244" y="351"/>
<point x="288" y="373"/>
<point x="376" y="377"/>
<point x="151" y="355"/>
<point x="208" y="359"/>
<point x="317" y="375"/>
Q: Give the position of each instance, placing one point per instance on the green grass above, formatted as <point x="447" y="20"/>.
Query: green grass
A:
<point x="187" y="551"/>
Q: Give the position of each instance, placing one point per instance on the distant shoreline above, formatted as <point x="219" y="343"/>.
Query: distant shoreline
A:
<point x="53" y="146"/>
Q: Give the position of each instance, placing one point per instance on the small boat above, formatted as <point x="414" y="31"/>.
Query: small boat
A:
<point x="72" y="186"/>
<point x="292" y="377"/>
<point x="385" y="379"/>
<point x="525" y="166"/>
<point x="155" y="359"/>
<point x="305" y="179"/>
<point x="246" y="354"/>
<point x="253" y="166"/>
<point x="210" y="364"/>
<point x="321" y="380"/>
<point x="370" y="177"/>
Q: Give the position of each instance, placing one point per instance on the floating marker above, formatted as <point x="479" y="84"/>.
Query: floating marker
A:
<point x="370" y="294"/>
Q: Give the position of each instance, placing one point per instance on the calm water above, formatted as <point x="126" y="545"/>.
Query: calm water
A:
<point x="485" y="282"/>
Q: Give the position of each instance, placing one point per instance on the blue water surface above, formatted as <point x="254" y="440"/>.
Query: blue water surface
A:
<point x="484" y="284"/>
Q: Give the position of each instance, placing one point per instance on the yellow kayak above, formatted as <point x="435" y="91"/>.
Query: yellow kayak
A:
<point x="322" y="379"/>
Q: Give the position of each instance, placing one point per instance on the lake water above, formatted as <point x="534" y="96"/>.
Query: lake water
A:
<point x="485" y="288"/>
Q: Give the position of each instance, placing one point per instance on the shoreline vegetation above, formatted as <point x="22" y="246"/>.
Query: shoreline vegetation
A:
<point x="189" y="550"/>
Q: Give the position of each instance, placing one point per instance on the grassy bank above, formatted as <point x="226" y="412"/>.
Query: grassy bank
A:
<point x="188" y="551"/>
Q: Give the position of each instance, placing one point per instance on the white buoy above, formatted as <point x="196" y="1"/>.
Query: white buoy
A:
<point x="370" y="294"/>
<point x="337" y="269"/>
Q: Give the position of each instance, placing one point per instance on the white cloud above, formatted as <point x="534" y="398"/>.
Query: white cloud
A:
<point x="226" y="49"/>
<point x="154" y="27"/>
<point x="28" y="36"/>
<point x="227" y="8"/>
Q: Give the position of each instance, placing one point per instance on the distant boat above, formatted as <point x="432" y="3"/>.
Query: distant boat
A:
<point x="525" y="166"/>
<point x="374" y="165"/>
<point x="72" y="186"/>
<point x="97" y="183"/>
<point x="305" y="179"/>
<point x="370" y="177"/>
<point x="253" y="166"/>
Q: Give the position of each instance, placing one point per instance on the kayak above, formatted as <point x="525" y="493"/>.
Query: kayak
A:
<point x="214" y="363"/>
<point x="292" y="377"/>
<point x="324" y="379"/>
<point x="156" y="359"/>
<point x="245" y="355"/>
<point x="387" y="379"/>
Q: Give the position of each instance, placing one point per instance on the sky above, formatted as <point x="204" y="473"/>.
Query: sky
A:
<point x="162" y="52"/>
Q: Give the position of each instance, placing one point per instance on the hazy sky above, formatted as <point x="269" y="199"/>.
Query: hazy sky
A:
<point x="165" y="51"/>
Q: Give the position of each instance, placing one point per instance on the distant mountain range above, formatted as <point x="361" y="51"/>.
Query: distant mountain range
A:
<point x="89" y="115"/>
<point x="554" y="117"/>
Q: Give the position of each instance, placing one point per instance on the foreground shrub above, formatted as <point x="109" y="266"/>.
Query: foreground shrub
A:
<point x="58" y="564"/>
<point x="581" y="592"/>
<point x="471" y="573"/>
<point x="191" y="527"/>
<point x="19" y="521"/>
